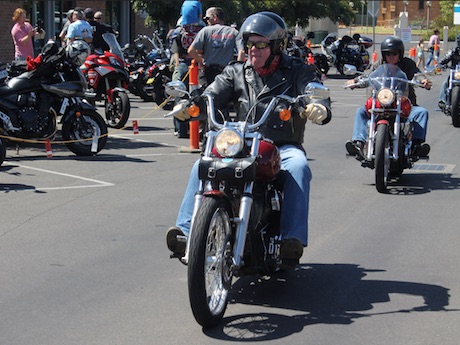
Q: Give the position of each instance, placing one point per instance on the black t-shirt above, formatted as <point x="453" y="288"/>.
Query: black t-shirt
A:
<point x="98" y="30"/>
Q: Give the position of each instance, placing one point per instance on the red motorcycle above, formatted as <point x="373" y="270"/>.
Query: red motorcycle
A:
<point x="108" y="81"/>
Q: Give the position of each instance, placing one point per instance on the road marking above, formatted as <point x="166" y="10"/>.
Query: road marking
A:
<point x="98" y="183"/>
<point x="432" y="168"/>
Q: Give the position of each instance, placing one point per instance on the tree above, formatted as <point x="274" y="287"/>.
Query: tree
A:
<point x="294" y="11"/>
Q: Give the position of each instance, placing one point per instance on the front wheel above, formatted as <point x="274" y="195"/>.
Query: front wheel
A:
<point x="141" y="83"/>
<point x="455" y="101"/>
<point x="382" y="158"/>
<point x="210" y="262"/>
<point x="86" y="134"/>
<point x="117" y="112"/>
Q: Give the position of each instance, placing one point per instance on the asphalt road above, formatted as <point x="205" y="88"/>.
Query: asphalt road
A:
<point x="84" y="261"/>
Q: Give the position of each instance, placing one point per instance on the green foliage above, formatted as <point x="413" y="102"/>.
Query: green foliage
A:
<point x="293" y="11"/>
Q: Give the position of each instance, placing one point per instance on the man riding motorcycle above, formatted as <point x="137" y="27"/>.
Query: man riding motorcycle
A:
<point x="392" y="50"/>
<point x="452" y="56"/>
<point x="267" y="71"/>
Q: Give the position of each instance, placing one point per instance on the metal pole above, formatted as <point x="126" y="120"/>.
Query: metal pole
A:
<point x="428" y="4"/>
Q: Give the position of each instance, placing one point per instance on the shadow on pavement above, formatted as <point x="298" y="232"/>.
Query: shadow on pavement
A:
<point x="322" y="294"/>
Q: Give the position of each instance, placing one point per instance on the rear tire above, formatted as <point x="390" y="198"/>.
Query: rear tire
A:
<point x="210" y="262"/>
<point x="382" y="158"/>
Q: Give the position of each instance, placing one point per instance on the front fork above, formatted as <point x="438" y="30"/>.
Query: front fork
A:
<point x="394" y="135"/>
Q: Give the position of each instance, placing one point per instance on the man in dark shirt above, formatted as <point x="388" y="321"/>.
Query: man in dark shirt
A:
<point x="98" y="29"/>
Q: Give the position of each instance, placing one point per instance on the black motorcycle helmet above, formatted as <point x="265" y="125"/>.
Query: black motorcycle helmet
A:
<point x="269" y="25"/>
<point x="392" y="43"/>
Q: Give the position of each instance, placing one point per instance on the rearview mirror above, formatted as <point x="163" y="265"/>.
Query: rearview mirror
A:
<point x="176" y="89"/>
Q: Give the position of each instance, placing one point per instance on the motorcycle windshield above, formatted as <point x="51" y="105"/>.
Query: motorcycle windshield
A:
<point x="114" y="46"/>
<point x="389" y="76"/>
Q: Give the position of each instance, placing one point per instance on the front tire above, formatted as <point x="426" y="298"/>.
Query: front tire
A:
<point x="140" y="87"/>
<point x="210" y="262"/>
<point x="382" y="158"/>
<point x="80" y="131"/>
<point x="455" y="101"/>
<point x="117" y="113"/>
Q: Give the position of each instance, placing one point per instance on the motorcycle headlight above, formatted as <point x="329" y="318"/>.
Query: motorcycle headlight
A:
<point x="386" y="97"/>
<point x="457" y="76"/>
<point x="228" y="143"/>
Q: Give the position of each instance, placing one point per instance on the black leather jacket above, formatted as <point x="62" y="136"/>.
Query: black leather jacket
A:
<point x="241" y="84"/>
<point x="452" y="56"/>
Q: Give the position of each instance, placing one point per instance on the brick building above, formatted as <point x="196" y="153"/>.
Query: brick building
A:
<point x="117" y="13"/>
<point x="417" y="10"/>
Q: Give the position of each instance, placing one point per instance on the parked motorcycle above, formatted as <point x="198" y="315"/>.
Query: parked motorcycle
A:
<point x="452" y="106"/>
<point x="53" y="87"/>
<point x="134" y="55"/>
<point x="235" y="224"/>
<point x="149" y="80"/>
<point x="389" y="148"/>
<point x="348" y="50"/>
<point x="108" y="81"/>
<point x="296" y="47"/>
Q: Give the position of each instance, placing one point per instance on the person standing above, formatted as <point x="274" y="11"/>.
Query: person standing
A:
<point x="420" y="54"/>
<point x="22" y="33"/>
<point x="79" y="29"/>
<point x="433" y="47"/>
<point x="66" y="26"/>
<point x="98" y="30"/>
<point x="215" y="45"/>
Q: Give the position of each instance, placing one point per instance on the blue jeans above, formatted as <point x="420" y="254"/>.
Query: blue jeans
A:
<point x="418" y="115"/>
<point x="443" y="91"/>
<point x="430" y="57"/>
<point x="295" y="177"/>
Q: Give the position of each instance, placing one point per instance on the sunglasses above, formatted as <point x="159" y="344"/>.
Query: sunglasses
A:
<point x="258" y="45"/>
<point x="97" y="18"/>
<point x="392" y="53"/>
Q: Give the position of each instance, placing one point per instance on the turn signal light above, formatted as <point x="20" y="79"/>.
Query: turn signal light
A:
<point x="194" y="110"/>
<point x="285" y="114"/>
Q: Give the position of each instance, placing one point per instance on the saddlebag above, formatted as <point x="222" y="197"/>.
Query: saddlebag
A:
<point x="221" y="169"/>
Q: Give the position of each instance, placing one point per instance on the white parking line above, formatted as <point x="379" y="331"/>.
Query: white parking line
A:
<point x="98" y="183"/>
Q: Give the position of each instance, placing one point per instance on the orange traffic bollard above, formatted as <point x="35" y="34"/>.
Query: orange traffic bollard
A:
<point x="194" y="125"/>
<point x="308" y="44"/>
<point x="374" y="56"/>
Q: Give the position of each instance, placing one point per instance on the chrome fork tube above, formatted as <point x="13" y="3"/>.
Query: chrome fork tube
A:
<point x="242" y="225"/>
<point x="196" y="206"/>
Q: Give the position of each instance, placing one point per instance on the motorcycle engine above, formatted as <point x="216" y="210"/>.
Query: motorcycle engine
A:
<point x="33" y="118"/>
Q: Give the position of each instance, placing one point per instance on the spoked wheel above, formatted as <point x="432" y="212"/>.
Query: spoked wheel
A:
<point x="382" y="158"/>
<point x="210" y="262"/>
<point x="85" y="135"/>
<point x="455" y="101"/>
<point x="117" y="112"/>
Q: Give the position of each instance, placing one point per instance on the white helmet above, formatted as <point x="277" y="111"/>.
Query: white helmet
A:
<point x="77" y="52"/>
